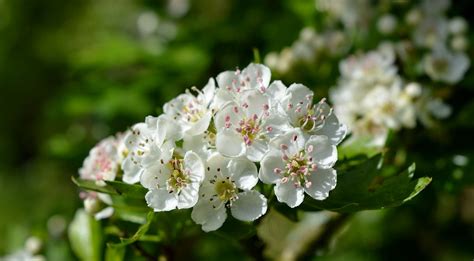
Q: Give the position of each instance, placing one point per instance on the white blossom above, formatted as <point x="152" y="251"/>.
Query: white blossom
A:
<point x="314" y="119"/>
<point x="228" y="185"/>
<point x="190" y="112"/>
<point x="146" y="142"/>
<point x="173" y="182"/>
<point x="443" y="65"/>
<point x="298" y="165"/>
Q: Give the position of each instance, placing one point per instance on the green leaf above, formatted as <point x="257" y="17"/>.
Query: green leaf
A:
<point x="114" y="253"/>
<point x="85" y="236"/>
<point x="363" y="187"/>
<point x="91" y="185"/>
<point x="129" y="190"/>
<point x="138" y="235"/>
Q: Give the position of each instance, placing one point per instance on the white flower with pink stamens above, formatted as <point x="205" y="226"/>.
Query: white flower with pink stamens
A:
<point x="312" y="119"/>
<point x="296" y="165"/>
<point x="233" y="83"/>
<point x="244" y="127"/>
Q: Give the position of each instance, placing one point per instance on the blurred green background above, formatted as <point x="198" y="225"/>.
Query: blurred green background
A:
<point x="74" y="72"/>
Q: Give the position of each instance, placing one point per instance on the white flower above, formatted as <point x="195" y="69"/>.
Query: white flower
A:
<point x="387" y="24"/>
<point x="298" y="165"/>
<point x="457" y="25"/>
<point x="233" y="83"/>
<point x="190" y="112"/>
<point x="145" y="144"/>
<point x="228" y="184"/>
<point x="430" y="32"/>
<point x="314" y="119"/>
<point x="173" y="182"/>
<point x="443" y="65"/>
<point x="102" y="162"/>
<point x="245" y="126"/>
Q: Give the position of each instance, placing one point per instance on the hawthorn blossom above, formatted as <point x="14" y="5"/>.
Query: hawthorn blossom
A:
<point x="233" y="83"/>
<point x="173" y="182"/>
<point x="228" y="185"/>
<point x="299" y="165"/>
<point x="443" y="65"/>
<point x="313" y="119"/>
<point x="191" y="112"/>
<point x="102" y="163"/>
<point x="146" y="142"/>
<point x="244" y="127"/>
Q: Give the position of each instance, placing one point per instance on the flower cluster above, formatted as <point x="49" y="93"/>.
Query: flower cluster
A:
<point x="211" y="147"/>
<point x="373" y="98"/>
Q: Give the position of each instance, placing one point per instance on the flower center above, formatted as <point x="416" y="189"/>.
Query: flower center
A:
<point x="249" y="129"/>
<point x="298" y="167"/>
<point x="226" y="190"/>
<point x="192" y="112"/>
<point x="179" y="176"/>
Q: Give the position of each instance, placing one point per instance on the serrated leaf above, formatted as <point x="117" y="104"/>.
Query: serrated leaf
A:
<point x="140" y="232"/>
<point x="363" y="187"/>
<point x="85" y="236"/>
<point x="129" y="190"/>
<point x="91" y="185"/>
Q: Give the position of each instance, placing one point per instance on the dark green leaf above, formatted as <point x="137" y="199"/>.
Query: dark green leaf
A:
<point x="91" y="185"/>
<point x="363" y="187"/>
<point x="129" y="190"/>
<point x="114" y="253"/>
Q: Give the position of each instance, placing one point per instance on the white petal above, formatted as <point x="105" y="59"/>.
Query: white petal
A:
<point x="243" y="173"/>
<point x="276" y="90"/>
<point x="287" y="193"/>
<point x="259" y="75"/>
<point x="131" y="171"/>
<point x="208" y="91"/>
<point x="155" y="176"/>
<point x="322" y="181"/>
<point x="104" y="213"/>
<point x="197" y="144"/>
<point x="256" y="150"/>
<point x="294" y="146"/>
<point x="256" y="102"/>
<point x="188" y="196"/>
<point x="269" y="163"/>
<point x="333" y="129"/>
<point x="230" y="143"/>
<point x="209" y="217"/>
<point x="228" y="114"/>
<point x="161" y="200"/>
<point x="298" y="96"/>
<point x="200" y="126"/>
<point x="215" y="164"/>
<point x="194" y="164"/>
<point x="249" y="206"/>
<point x="227" y="79"/>
<point x="168" y="129"/>
<point x="324" y="154"/>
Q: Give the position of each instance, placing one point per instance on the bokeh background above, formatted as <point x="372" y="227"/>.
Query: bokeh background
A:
<point x="74" y="72"/>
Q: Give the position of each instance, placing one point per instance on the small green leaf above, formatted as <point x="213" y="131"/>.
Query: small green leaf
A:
<point x="129" y="190"/>
<point x="137" y="236"/>
<point x="85" y="236"/>
<point x="91" y="185"/>
<point x="363" y="187"/>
